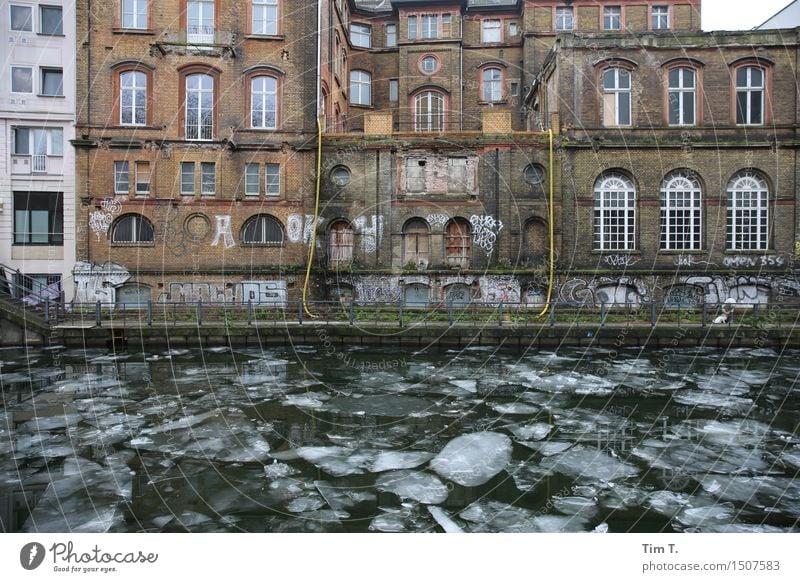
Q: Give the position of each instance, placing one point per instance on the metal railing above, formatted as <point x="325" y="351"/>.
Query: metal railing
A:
<point x="401" y="314"/>
<point x="39" y="164"/>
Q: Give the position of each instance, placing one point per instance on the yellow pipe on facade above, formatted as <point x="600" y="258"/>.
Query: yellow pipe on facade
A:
<point x="313" y="241"/>
<point x="552" y="233"/>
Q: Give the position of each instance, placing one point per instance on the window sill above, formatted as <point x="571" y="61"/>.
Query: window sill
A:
<point x="616" y="252"/>
<point x="133" y="244"/>
<point x="253" y="36"/>
<point x="263" y="129"/>
<point x="264" y="245"/>
<point x="142" y="31"/>
<point x="756" y="252"/>
<point x="47" y="244"/>
<point x="500" y="102"/>
<point x="132" y="126"/>
<point x="672" y="252"/>
<point x="51" y="96"/>
<point x="62" y="35"/>
<point x="361" y="106"/>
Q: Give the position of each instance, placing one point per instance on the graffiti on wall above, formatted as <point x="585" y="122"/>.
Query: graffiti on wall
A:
<point x="749" y="261"/>
<point x="499" y="289"/>
<point x="272" y="293"/>
<point x="223" y="232"/>
<point x="620" y="260"/>
<point x="98" y="282"/>
<point x="609" y="290"/>
<point x="100" y="220"/>
<point x="689" y="261"/>
<point x="371" y="231"/>
<point x="484" y="231"/>
<point x="438" y="219"/>
<point x="301" y="228"/>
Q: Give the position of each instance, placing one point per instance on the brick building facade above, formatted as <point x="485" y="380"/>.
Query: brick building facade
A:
<point x="197" y="135"/>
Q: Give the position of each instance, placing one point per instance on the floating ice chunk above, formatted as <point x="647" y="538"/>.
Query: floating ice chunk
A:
<point x="277" y="470"/>
<point x="340" y="499"/>
<point x="140" y="441"/>
<point x="601" y="528"/>
<point x="389" y="523"/>
<point x="515" y="408"/>
<point x="57" y="421"/>
<point x="714" y="514"/>
<point x="494" y="516"/>
<point x="391" y="460"/>
<point x="713" y="400"/>
<point x="162" y="520"/>
<point x="667" y="503"/>
<point x="310" y="400"/>
<point x="548" y="448"/>
<point x="621" y="497"/>
<point x="473" y="459"/>
<point x="531" y="432"/>
<point x="575" y="506"/>
<point x="527" y="476"/>
<point x="557" y="523"/>
<point x="420" y="486"/>
<point x="305" y="503"/>
<point x="466" y="385"/>
<point x="739" y="528"/>
<point x="444" y="520"/>
<point x="583" y="462"/>
<point x="338" y="461"/>
<point x="181" y="423"/>
<point x="777" y="492"/>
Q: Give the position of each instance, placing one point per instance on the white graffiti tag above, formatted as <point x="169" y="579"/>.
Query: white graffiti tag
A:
<point x="438" y="219"/>
<point x="370" y="232"/>
<point x="484" y="231"/>
<point x="300" y="228"/>
<point x="100" y="220"/>
<point x="223" y="232"/>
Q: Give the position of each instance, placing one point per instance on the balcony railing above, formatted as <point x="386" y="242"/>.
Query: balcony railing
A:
<point x="39" y="165"/>
<point x="200" y="34"/>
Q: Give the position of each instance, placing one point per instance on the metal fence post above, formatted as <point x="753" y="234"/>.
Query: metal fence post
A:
<point x="98" y="314"/>
<point x="150" y="313"/>
<point x="500" y="315"/>
<point x="400" y="308"/>
<point x="199" y="312"/>
<point x="705" y="313"/>
<point x="249" y="312"/>
<point x="352" y="314"/>
<point x="653" y="314"/>
<point x="450" y="311"/>
<point x="300" y="312"/>
<point x="47" y="311"/>
<point x="602" y="313"/>
<point x="552" y="314"/>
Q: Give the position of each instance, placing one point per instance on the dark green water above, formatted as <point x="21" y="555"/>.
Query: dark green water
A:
<point x="355" y="439"/>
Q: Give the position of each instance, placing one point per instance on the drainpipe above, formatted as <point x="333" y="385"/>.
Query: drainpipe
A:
<point x="460" y="76"/>
<point x="497" y="197"/>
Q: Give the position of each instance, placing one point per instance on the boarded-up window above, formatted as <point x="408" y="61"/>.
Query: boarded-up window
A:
<point x="458" y="243"/>
<point x="457" y="175"/>
<point x="415" y="174"/>
<point x="535" y="237"/>
<point x="416" y="242"/>
<point x="341" y="242"/>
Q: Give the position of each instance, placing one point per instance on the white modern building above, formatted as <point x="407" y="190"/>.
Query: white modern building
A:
<point x="37" y="176"/>
<point x="788" y="17"/>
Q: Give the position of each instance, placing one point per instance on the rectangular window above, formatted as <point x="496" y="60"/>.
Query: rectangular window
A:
<point x="614" y="221"/>
<point x="187" y="178"/>
<point x="200" y="21"/>
<point x="208" y="178"/>
<point x="52" y="82"/>
<point x="252" y="180"/>
<point x="660" y="18"/>
<point x="616" y="97"/>
<point x="394" y="87"/>
<point x="272" y="175"/>
<point x="142" y="177"/>
<point x="21" y="80"/>
<point x="412" y="28"/>
<point x="134" y="14"/>
<point x="748" y="220"/>
<point x="51" y="21"/>
<point x="612" y="18"/>
<point x="681" y="96"/>
<point x="38" y="218"/>
<point x="121" y="178"/>
<point x="491" y="31"/>
<point x="361" y="35"/>
<point x="30" y="141"/>
<point x="564" y="18"/>
<point x="680" y="220"/>
<point x="512" y="29"/>
<point x="514" y="89"/>
<point x="265" y="17"/>
<point x="430" y="26"/>
<point x="447" y="25"/>
<point x="391" y="35"/>
<point x="21" y="18"/>
<point x="750" y="96"/>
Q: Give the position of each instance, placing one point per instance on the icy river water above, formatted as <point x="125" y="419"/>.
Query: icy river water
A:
<point x="359" y="439"/>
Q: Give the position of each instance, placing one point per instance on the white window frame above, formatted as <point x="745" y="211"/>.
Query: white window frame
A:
<point x="565" y="18"/>
<point x="252" y="179"/>
<point x="748" y="206"/>
<point x="31" y="21"/>
<point x="135" y="12"/>
<point x="429" y="120"/>
<point x="11" y="83"/>
<point x="360" y="87"/>
<point x="683" y="93"/>
<point x="138" y="97"/>
<point x="50" y="70"/>
<point x="265" y="17"/>
<point x="659" y="17"/>
<point x="53" y="147"/>
<point x="198" y="129"/>
<point x="750" y="90"/>
<point x="265" y="117"/>
<point x="621" y="98"/>
<point x="612" y="15"/>
<point x="394" y="90"/>
<point x="614" y="213"/>
<point x="412" y="26"/>
<point x="681" y="212"/>
<point x="361" y="34"/>
<point x="429" y="26"/>
<point x="491" y="31"/>
<point x="188" y="173"/>
<point x="122" y="168"/>
<point x="391" y="35"/>
<point x="272" y="179"/>
<point x="492" y="88"/>
<point x="208" y="169"/>
<point x="200" y="28"/>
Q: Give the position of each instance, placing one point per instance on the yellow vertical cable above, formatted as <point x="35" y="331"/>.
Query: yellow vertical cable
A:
<point x="313" y="241"/>
<point x="552" y="235"/>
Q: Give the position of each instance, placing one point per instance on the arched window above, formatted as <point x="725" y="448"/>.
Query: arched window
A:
<point x="416" y="242"/>
<point x="534" y="175"/>
<point x="616" y="97"/>
<point x="133" y="98"/>
<point x="536" y="238"/>
<point x="614" y="213"/>
<point x="681" y="96"/>
<point x="199" y="107"/>
<point x="340" y="247"/>
<point x="748" y="212"/>
<point x="492" y="84"/>
<point x="458" y="243"/>
<point x="262" y="230"/>
<point x="681" y="212"/>
<point x="750" y="89"/>
<point x="429" y="107"/>
<point x="132" y="229"/>
<point x="264" y="102"/>
<point x="360" y="88"/>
